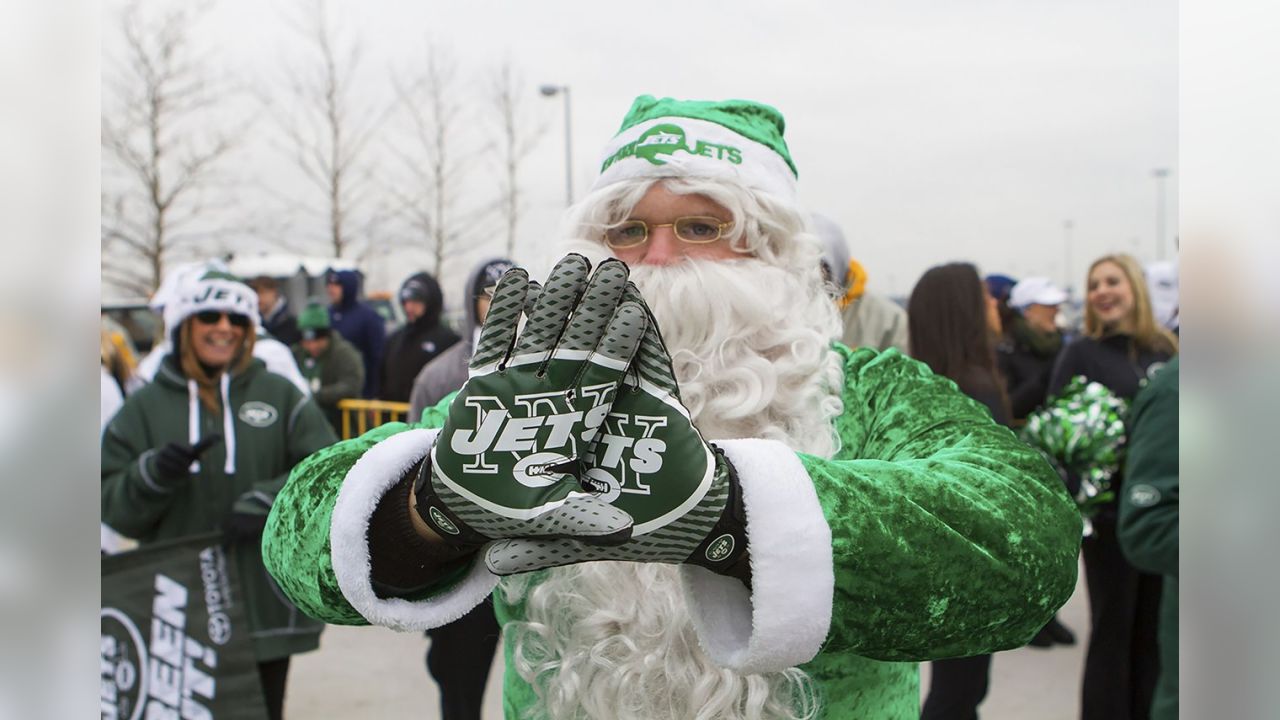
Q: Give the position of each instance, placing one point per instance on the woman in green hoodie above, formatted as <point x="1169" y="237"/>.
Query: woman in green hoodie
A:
<point x="207" y="446"/>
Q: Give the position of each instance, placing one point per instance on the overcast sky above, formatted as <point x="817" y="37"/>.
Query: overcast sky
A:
<point x="932" y="131"/>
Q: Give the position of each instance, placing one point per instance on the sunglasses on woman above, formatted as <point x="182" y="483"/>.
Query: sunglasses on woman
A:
<point x="213" y="317"/>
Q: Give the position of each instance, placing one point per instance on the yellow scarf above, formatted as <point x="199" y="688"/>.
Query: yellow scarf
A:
<point x="857" y="284"/>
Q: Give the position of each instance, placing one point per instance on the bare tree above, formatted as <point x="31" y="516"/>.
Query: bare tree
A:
<point x="517" y="137"/>
<point x="435" y="158"/>
<point x="162" y="153"/>
<point x="329" y="131"/>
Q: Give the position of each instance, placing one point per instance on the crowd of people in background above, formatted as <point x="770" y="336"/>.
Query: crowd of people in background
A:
<point x="176" y="460"/>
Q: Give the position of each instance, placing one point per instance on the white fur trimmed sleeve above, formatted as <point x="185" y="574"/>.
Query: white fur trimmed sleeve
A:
<point x="380" y="468"/>
<point x="784" y="619"/>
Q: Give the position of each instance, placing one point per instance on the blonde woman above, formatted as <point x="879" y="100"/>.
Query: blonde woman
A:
<point x="206" y="445"/>
<point x="1122" y="345"/>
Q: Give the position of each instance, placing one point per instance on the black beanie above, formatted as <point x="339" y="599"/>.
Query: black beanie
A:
<point x="489" y="275"/>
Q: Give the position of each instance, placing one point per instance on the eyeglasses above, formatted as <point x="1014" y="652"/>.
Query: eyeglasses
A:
<point x="212" y="317"/>
<point x="697" y="230"/>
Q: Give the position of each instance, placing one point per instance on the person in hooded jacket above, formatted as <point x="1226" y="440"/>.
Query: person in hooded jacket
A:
<point x="206" y="446"/>
<point x="446" y="373"/>
<point x="360" y="324"/>
<point x="422" y="338"/>
<point x="461" y="652"/>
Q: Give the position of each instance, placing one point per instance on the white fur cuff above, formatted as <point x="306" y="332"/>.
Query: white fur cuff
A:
<point x="380" y="468"/>
<point x="785" y="618"/>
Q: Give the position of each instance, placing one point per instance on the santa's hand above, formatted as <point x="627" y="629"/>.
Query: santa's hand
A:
<point x="650" y="461"/>
<point x="506" y="462"/>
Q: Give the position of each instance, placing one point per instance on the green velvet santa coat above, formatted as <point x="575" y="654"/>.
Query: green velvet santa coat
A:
<point x="932" y="533"/>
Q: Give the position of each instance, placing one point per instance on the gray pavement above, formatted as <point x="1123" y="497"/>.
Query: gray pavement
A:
<point x="379" y="673"/>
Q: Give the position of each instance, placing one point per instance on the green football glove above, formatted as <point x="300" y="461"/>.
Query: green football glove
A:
<point x="650" y="461"/>
<point x="506" y="462"/>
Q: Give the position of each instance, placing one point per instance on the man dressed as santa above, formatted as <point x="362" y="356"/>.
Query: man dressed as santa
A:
<point x="687" y="499"/>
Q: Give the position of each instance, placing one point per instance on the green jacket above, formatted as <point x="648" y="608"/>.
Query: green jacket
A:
<point x="1148" y="523"/>
<point x="336" y="374"/>
<point x="275" y="426"/>
<point x="933" y="533"/>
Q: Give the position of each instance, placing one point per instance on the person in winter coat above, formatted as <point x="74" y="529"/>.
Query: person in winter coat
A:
<point x="206" y="446"/>
<point x="953" y="322"/>
<point x="1121" y="347"/>
<point x="1031" y="344"/>
<point x="1026" y="354"/>
<point x="461" y="652"/>
<point x="360" y="324"/>
<point x="866" y="516"/>
<point x="869" y="320"/>
<point x="1148" y="521"/>
<point x="446" y="373"/>
<point x="277" y="319"/>
<point x="422" y="339"/>
<point x="331" y="365"/>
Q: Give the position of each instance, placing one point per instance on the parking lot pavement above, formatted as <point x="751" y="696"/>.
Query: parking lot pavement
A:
<point x="363" y="673"/>
<point x="372" y="672"/>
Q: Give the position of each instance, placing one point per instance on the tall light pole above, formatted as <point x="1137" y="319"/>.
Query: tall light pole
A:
<point x="552" y="91"/>
<point x="1067" y="227"/>
<point x="1160" y="174"/>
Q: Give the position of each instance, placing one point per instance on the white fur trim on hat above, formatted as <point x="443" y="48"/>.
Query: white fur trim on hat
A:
<point x="784" y="619"/>
<point x="702" y="149"/>
<point x="380" y="468"/>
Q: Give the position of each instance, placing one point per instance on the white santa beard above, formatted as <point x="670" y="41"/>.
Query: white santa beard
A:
<point x="750" y="345"/>
<point x="751" y="349"/>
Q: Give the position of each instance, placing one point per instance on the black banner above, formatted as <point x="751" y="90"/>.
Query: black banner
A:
<point x="175" y="641"/>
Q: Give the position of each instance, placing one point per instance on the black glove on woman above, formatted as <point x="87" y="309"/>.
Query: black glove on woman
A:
<point x="173" y="461"/>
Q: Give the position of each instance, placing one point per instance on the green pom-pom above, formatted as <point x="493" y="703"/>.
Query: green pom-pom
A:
<point x="1081" y="431"/>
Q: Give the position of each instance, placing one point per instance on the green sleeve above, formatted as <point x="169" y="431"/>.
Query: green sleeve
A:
<point x="296" y="542"/>
<point x="1148" y="522"/>
<point x="949" y="536"/>
<point x="134" y="499"/>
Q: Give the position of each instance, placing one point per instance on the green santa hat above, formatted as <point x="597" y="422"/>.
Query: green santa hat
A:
<point x="731" y="139"/>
